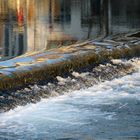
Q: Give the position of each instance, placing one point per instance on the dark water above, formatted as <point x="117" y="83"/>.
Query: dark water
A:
<point x="33" y="25"/>
<point x="108" y="111"/>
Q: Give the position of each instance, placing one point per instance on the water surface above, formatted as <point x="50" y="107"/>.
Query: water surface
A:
<point x="34" y="25"/>
<point x="110" y="110"/>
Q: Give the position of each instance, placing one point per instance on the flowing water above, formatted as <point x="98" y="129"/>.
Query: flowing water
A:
<point x="110" y="110"/>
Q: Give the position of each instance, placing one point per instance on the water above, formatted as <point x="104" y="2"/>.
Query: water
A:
<point x="33" y="25"/>
<point x="110" y="110"/>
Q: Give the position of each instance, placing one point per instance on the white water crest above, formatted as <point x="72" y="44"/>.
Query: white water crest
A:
<point x="110" y="110"/>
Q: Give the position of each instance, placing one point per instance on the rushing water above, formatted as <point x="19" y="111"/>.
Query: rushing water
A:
<point x="110" y="110"/>
<point x="34" y="25"/>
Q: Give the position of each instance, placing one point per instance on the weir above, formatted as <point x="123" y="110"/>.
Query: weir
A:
<point x="36" y="67"/>
<point x="69" y="69"/>
<point x="21" y="76"/>
<point x="41" y="42"/>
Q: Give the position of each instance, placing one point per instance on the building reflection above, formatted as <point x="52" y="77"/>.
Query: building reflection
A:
<point x="13" y="29"/>
<point x="33" y="25"/>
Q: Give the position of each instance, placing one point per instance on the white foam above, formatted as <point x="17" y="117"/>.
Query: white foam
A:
<point x="74" y="107"/>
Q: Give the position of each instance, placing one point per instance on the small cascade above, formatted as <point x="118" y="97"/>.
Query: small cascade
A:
<point x="63" y="85"/>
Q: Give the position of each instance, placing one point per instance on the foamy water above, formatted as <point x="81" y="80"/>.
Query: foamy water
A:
<point x="110" y="110"/>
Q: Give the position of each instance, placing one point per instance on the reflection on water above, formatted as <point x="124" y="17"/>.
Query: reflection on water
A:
<point x="32" y="25"/>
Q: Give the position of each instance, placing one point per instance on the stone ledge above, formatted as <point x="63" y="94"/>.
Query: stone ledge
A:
<point x="36" y="67"/>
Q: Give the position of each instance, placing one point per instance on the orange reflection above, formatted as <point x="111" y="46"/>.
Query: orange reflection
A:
<point x="20" y="13"/>
<point x="32" y="25"/>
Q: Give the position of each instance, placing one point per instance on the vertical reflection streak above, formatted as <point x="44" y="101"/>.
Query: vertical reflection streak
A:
<point x="32" y="25"/>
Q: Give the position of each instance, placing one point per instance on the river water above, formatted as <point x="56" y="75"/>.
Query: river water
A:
<point x="110" y="110"/>
<point x="34" y="25"/>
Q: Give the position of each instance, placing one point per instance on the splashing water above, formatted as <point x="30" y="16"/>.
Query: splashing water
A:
<point x="110" y="110"/>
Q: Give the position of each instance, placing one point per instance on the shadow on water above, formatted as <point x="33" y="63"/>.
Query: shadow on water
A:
<point x="27" y="26"/>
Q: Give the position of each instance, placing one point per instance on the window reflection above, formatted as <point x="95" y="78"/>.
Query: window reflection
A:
<point x="33" y="25"/>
